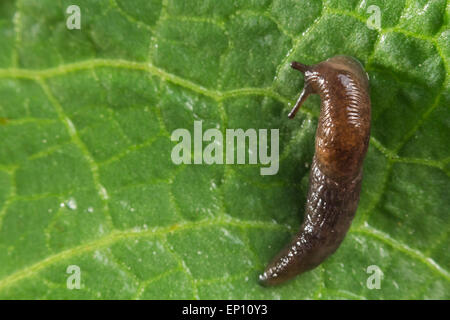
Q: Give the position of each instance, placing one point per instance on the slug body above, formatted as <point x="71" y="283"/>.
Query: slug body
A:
<point x="342" y="138"/>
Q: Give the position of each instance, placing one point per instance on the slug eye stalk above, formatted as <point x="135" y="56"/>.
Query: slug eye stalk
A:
<point x="307" y="90"/>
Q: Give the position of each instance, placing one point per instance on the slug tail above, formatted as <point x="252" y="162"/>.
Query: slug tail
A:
<point x="328" y="215"/>
<point x="296" y="258"/>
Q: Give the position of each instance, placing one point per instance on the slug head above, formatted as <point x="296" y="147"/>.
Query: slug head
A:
<point x="326" y="71"/>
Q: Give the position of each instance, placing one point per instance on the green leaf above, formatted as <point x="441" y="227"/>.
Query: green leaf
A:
<point x="86" y="176"/>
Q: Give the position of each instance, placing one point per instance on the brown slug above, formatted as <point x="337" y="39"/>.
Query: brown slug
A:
<point x="342" y="138"/>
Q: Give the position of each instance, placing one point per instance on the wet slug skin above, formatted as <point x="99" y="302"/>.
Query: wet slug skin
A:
<point x="342" y="138"/>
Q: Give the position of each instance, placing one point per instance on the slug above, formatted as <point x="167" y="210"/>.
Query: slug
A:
<point x="342" y="139"/>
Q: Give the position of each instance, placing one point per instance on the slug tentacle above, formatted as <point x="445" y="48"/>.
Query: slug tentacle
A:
<point x="300" y="66"/>
<point x="342" y="139"/>
<point x="307" y="90"/>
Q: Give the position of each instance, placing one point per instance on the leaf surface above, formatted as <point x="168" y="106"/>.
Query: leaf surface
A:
<point x="86" y="176"/>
